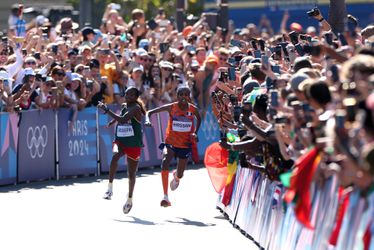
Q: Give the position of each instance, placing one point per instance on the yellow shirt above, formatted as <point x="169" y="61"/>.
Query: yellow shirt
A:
<point x="109" y="70"/>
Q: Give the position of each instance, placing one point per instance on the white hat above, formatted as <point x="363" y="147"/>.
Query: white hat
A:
<point x="311" y="29"/>
<point x="141" y="52"/>
<point x="194" y="63"/>
<point x="40" y="20"/>
<point x="76" y="77"/>
<point x="137" y="68"/>
<point x="29" y="72"/>
<point x="166" y="64"/>
<point x="234" y="50"/>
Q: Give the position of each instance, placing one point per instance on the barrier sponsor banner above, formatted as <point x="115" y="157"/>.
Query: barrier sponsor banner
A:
<point x="208" y="132"/>
<point x="106" y="137"/>
<point x="77" y="147"/>
<point x="36" y="145"/>
<point x="8" y="148"/>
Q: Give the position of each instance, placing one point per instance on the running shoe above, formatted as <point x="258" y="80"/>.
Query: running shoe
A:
<point x="108" y="195"/>
<point x="127" y="207"/>
<point x="165" y="202"/>
<point x="175" y="182"/>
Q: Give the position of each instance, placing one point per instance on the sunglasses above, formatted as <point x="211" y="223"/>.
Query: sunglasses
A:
<point x="60" y="73"/>
<point x="168" y="69"/>
<point x="31" y="62"/>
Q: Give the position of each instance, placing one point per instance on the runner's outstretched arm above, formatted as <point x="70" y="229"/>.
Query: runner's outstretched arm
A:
<point x="166" y="107"/>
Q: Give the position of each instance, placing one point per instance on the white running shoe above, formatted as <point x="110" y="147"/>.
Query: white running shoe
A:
<point x="108" y="195"/>
<point x="174" y="183"/>
<point x="165" y="202"/>
<point x="127" y="207"/>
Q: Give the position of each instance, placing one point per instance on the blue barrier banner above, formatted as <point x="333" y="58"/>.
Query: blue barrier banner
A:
<point x="77" y="147"/>
<point x="106" y="137"/>
<point x="208" y="132"/>
<point x="8" y="148"/>
<point x="36" y="145"/>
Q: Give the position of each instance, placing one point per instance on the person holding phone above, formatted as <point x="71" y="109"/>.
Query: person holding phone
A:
<point x="128" y="141"/>
<point x="181" y="132"/>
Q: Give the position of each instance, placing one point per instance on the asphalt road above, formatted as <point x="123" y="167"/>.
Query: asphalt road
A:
<point x="71" y="214"/>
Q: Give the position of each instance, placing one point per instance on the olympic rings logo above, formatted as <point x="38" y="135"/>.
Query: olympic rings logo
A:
<point x="37" y="139"/>
<point x="210" y="127"/>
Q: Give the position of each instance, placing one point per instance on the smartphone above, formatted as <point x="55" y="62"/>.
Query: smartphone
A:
<point x="352" y="29"/>
<point x="306" y="107"/>
<point x="38" y="77"/>
<point x="55" y="49"/>
<point x="303" y="37"/>
<point x="274" y="98"/>
<point x="235" y="43"/>
<point x="238" y="58"/>
<point x="342" y="39"/>
<point x="106" y="51"/>
<point x="231" y="74"/>
<point x="281" y="120"/>
<point x="329" y="38"/>
<point x="262" y="44"/>
<point x="257" y="53"/>
<point x="152" y="24"/>
<point x="24" y="52"/>
<point x="294" y="37"/>
<point x="299" y="49"/>
<point x="265" y="61"/>
<point x="275" y="69"/>
<point x="223" y="76"/>
<point x="340" y="118"/>
<point x="89" y="84"/>
<point x="232" y="61"/>
<point x="164" y="47"/>
<point x="247" y="108"/>
<point x="254" y="44"/>
<point x="334" y="73"/>
<point x="278" y="52"/>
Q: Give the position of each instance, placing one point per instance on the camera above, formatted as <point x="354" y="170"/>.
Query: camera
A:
<point x="89" y="84"/>
<point x="223" y="76"/>
<point x="313" y="12"/>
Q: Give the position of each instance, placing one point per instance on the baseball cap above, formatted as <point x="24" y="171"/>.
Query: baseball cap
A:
<point x="234" y="50"/>
<point x="76" y="77"/>
<point x="29" y="72"/>
<point x="141" y="52"/>
<point x="143" y="43"/>
<point x="166" y="64"/>
<point x="88" y="30"/>
<point x="297" y="79"/>
<point x="138" y="68"/>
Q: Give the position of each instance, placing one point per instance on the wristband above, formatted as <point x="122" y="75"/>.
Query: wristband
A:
<point x="320" y="20"/>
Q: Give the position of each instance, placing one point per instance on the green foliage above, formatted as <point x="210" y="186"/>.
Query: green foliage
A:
<point x="150" y="7"/>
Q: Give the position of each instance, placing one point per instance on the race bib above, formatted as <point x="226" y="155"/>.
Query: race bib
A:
<point x="125" y="130"/>
<point x="180" y="126"/>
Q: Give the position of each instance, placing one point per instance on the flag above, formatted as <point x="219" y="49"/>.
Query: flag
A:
<point x="301" y="180"/>
<point x="215" y="161"/>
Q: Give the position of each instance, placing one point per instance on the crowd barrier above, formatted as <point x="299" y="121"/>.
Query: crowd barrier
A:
<point x="257" y="210"/>
<point x="39" y="145"/>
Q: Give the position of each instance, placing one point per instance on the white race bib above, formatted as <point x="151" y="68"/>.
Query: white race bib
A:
<point x="179" y="126"/>
<point x="125" y="130"/>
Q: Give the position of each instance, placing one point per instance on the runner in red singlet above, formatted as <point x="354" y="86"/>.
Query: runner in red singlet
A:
<point x="180" y="132"/>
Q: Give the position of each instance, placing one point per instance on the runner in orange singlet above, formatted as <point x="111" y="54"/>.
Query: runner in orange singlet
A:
<point x="179" y="135"/>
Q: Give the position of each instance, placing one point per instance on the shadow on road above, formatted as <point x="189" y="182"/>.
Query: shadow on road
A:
<point x="138" y="221"/>
<point x="192" y="223"/>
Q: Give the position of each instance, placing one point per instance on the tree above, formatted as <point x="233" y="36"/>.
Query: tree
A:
<point x="337" y="15"/>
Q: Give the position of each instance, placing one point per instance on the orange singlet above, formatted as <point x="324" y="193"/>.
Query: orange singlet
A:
<point x="180" y="126"/>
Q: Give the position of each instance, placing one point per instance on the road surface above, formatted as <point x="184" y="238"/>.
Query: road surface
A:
<point x="71" y="214"/>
